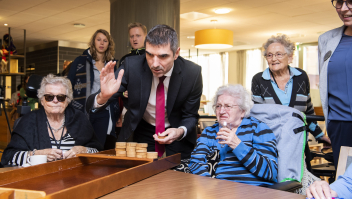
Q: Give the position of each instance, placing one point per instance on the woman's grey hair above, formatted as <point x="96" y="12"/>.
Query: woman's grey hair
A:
<point x="52" y="79"/>
<point x="283" y="40"/>
<point x="242" y="96"/>
<point x="161" y="35"/>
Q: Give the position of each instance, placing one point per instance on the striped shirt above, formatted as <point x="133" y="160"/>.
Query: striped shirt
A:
<point x="253" y="161"/>
<point x="67" y="143"/>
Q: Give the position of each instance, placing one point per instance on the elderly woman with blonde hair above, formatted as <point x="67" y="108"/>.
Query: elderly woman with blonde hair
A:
<point x="282" y="84"/>
<point x="238" y="148"/>
<point x="56" y="130"/>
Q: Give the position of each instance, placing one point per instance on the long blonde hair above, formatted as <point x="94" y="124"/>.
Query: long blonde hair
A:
<point x="109" y="53"/>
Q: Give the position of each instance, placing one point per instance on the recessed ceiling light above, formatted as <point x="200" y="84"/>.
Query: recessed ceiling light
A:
<point x="213" y="21"/>
<point x="222" y="11"/>
<point x="5" y="24"/>
<point x="190" y="37"/>
<point x="79" y="25"/>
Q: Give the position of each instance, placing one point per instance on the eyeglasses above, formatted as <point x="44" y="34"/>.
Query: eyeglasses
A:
<point x="277" y="55"/>
<point x="50" y="97"/>
<point x="226" y="107"/>
<point x="339" y="3"/>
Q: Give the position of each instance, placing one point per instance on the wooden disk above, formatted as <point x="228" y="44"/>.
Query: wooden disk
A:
<point x="161" y="137"/>
<point x="133" y="155"/>
<point x="120" y="155"/>
<point x="141" y="150"/>
<point x="143" y="145"/>
<point x="132" y="144"/>
<point x="152" y="155"/>
<point x="141" y="156"/>
<point x="131" y="148"/>
<point x="120" y="147"/>
<point x="120" y="144"/>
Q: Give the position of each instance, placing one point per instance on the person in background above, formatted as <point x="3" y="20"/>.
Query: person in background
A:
<point x="66" y="68"/>
<point x="243" y="150"/>
<point x="137" y="33"/>
<point x="335" y="83"/>
<point x="31" y="101"/>
<point x="282" y="84"/>
<point x="341" y="188"/>
<point x="85" y="78"/>
<point x="56" y="130"/>
<point x="164" y="95"/>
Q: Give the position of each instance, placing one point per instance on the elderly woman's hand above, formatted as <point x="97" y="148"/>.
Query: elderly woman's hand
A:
<point x="229" y="137"/>
<point x="52" y="154"/>
<point x="74" y="151"/>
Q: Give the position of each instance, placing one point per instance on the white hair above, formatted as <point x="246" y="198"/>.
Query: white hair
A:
<point x="243" y="97"/>
<point x="52" y="79"/>
<point x="283" y="40"/>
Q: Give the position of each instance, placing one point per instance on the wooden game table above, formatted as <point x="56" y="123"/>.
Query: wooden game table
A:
<point x="106" y="176"/>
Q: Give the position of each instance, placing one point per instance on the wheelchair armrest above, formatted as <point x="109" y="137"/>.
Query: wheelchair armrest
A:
<point x="289" y="186"/>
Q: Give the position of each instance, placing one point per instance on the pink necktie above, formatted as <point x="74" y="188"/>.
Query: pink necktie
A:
<point x="160" y="114"/>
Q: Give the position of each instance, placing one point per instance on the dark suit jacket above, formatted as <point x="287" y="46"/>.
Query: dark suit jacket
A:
<point x="183" y="97"/>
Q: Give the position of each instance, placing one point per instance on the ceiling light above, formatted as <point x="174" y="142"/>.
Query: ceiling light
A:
<point x="222" y="11"/>
<point x="190" y="37"/>
<point x="79" y="25"/>
<point x="213" y="39"/>
<point x="5" y="24"/>
<point x="193" y="16"/>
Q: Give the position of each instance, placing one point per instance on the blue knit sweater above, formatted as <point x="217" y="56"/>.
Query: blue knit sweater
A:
<point x="253" y="161"/>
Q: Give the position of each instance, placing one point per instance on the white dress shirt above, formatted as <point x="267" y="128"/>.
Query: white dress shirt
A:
<point x="149" y="114"/>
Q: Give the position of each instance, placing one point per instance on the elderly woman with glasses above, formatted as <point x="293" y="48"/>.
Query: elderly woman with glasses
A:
<point x="282" y="84"/>
<point x="57" y="130"/>
<point x="238" y="148"/>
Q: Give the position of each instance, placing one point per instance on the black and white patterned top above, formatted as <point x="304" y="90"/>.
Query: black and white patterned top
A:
<point x="67" y="143"/>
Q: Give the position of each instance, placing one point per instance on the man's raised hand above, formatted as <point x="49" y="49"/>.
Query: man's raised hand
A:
<point x="108" y="84"/>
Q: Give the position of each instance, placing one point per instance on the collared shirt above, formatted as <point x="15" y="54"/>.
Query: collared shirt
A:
<point x="149" y="114"/>
<point x="284" y="96"/>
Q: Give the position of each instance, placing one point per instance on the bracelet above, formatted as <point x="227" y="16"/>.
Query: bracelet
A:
<point x="33" y="152"/>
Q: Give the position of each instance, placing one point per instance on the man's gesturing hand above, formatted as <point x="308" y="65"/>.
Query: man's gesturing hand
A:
<point x="108" y="84"/>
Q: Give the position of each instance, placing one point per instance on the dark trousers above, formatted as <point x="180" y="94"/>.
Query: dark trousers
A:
<point x="144" y="134"/>
<point x="100" y="123"/>
<point x="340" y="135"/>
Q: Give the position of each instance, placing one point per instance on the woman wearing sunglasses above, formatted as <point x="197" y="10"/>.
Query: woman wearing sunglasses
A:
<point x="335" y="83"/>
<point x="85" y="78"/>
<point x="57" y="130"/>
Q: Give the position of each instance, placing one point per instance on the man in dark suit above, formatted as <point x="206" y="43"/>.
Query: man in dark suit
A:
<point x="164" y="95"/>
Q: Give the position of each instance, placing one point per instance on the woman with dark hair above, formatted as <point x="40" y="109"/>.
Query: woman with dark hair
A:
<point x="85" y="78"/>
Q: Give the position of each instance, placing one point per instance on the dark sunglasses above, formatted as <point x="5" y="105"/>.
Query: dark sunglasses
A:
<point x="50" y="97"/>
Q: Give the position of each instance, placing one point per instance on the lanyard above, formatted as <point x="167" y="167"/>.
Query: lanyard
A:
<point x="62" y="133"/>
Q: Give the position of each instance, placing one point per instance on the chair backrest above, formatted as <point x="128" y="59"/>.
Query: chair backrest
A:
<point x="289" y="128"/>
<point x="345" y="160"/>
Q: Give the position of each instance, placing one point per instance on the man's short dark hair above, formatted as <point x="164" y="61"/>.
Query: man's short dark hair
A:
<point x="137" y="25"/>
<point x="161" y="35"/>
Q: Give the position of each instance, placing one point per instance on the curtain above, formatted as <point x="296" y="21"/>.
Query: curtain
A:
<point x="214" y="73"/>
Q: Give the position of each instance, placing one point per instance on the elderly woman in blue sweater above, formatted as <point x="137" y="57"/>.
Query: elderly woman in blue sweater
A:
<point x="243" y="149"/>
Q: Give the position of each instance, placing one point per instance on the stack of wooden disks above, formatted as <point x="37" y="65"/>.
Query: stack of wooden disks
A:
<point x="134" y="150"/>
<point x="120" y="149"/>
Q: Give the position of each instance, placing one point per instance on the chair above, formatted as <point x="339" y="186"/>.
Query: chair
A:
<point x="290" y="130"/>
